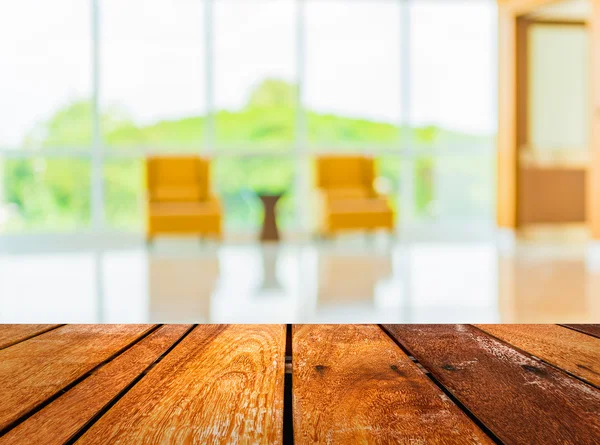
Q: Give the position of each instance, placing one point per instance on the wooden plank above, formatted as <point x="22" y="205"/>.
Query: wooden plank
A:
<point x="11" y="334"/>
<point x="79" y="405"/>
<point x="352" y="384"/>
<point x="520" y="399"/>
<point x="220" y="385"/>
<point x="572" y="351"/>
<point x="35" y="370"/>
<point x="589" y="329"/>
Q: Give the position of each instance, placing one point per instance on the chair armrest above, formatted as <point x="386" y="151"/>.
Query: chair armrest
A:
<point x="215" y="200"/>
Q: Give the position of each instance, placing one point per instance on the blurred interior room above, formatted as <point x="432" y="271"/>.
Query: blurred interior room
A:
<point x="389" y="161"/>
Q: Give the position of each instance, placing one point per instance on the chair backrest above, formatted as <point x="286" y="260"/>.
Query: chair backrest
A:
<point x="182" y="178"/>
<point x="345" y="172"/>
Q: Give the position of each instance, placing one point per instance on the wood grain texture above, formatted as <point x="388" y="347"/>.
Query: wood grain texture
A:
<point x="520" y="399"/>
<point x="37" y="369"/>
<point x="220" y="385"/>
<point x="572" y="351"/>
<point x="77" y="406"/>
<point x="589" y="329"/>
<point x="11" y="334"/>
<point x="353" y="384"/>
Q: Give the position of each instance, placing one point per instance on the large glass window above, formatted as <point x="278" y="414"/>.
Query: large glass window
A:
<point x="451" y="67"/>
<point x="222" y="78"/>
<point x="45" y="72"/>
<point x="152" y="73"/>
<point x="452" y="110"/>
<point x="352" y="72"/>
<point x="254" y="71"/>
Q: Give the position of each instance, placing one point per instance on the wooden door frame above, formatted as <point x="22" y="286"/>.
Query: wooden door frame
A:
<point x="511" y="103"/>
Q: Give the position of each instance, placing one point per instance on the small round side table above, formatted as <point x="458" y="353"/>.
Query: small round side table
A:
<point x="270" y="231"/>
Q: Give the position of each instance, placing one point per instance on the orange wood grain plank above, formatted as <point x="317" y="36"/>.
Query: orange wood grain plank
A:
<point x="37" y="369"/>
<point x="220" y="385"/>
<point x="64" y="417"/>
<point x="11" y="334"/>
<point x="353" y="384"/>
<point x="520" y="399"/>
<point x="589" y="329"/>
<point x="572" y="351"/>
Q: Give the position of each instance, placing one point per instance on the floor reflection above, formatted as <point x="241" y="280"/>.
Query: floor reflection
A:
<point x="351" y="277"/>
<point x="533" y="288"/>
<point x="180" y="289"/>
<point x="416" y="283"/>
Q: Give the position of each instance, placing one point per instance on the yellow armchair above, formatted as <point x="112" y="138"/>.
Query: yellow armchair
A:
<point x="179" y="201"/>
<point x="347" y="198"/>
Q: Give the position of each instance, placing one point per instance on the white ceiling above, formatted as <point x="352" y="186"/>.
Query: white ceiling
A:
<point x="570" y="10"/>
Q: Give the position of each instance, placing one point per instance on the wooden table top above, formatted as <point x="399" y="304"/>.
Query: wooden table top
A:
<point x="306" y="384"/>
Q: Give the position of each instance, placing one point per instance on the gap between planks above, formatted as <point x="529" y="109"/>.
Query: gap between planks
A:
<point x="593" y="330"/>
<point x="125" y="390"/>
<point x="74" y="383"/>
<point x="288" y="394"/>
<point x="556" y="407"/>
<point x="29" y="336"/>
<point x="535" y="357"/>
<point x="445" y="390"/>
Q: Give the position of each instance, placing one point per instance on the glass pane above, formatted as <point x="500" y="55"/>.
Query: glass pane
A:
<point x="558" y="92"/>
<point x="353" y="72"/>
<point x="454" y="188"/>
<point x="40" y="194"/>
<point x="45" y="61"/>
<point x="240" y="181"/>
<point x="452" y="71"/>
<point x="255" y="71"/>
<point x="152" y="76"/>
<point x="124" y="194"/>
<point x="387" y="180"/>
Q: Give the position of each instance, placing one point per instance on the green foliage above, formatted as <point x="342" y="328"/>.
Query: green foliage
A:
<point x="55" y="193"/>
<point x="48" y="193"/>
<point x="122" y="189"/>
<point x="70" y="126"/>
<point x="328" y="129"/>
<point x="273" y="93"/>
<point x="184" y="134"/>
<point x="252" y="126"/>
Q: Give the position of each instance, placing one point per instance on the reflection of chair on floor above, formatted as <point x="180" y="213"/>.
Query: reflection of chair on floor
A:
<point x="347" y="277"/>
<point x="347" y="198"/>
<point x="179" y="199"/>
<point x="181" y="289"/>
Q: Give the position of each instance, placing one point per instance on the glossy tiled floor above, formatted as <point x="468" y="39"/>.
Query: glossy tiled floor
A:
<point x="181" y="281"/>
